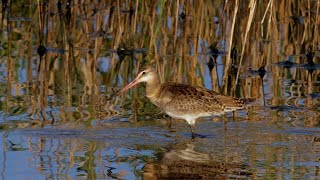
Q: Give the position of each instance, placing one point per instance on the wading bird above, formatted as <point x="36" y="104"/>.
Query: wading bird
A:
<point x="183" y="101"/>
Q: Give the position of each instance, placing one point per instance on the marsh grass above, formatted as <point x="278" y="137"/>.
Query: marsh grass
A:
<point x="94" y="48"/>
<point x="176" y="35"/>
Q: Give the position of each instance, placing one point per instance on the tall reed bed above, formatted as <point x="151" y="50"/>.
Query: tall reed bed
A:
<point x="175" y="36"/>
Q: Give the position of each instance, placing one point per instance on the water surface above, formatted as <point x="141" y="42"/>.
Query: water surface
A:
<point x="61" y="60"/>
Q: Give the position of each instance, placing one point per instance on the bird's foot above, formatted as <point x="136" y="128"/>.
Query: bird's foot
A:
<point x="195" y="135"/>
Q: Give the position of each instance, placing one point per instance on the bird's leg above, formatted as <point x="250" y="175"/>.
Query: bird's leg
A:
<point x="170" y="122"/>
<point x="170" y="125"/>
<point x="192" y="128"/>
<point x="233" y="115"/>
<point x="225" y="121"/>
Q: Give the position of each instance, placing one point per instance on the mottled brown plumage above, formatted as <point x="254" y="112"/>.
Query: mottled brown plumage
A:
<point x="184" y="101"/>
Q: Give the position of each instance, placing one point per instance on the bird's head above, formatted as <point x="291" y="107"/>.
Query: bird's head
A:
<point x="147" y="74"/>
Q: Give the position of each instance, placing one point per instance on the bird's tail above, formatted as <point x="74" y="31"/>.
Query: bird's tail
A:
<point x="248" y="100"/>
<point x="232" y="104"/>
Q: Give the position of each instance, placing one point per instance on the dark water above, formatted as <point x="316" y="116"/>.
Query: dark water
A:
<point x="61" y="60"/>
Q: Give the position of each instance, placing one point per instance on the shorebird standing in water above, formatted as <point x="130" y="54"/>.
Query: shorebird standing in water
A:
<point x="183" y="101"/>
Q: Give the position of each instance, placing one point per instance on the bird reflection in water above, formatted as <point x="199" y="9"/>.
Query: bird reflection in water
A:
<point x="188" y="163"/>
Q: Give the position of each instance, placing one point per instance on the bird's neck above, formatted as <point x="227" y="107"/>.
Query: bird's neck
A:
<point x="153" y="88"/>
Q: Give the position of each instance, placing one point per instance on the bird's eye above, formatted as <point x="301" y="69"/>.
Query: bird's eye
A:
<point x="143" y="73"/>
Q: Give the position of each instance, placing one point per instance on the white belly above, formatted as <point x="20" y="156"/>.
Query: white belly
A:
<point x="191" y="119"/>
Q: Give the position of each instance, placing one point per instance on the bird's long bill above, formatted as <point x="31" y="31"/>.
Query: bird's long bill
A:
<point x="130" y="85"/>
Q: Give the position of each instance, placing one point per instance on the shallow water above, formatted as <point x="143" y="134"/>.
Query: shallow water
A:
<point x="61" y="61"/>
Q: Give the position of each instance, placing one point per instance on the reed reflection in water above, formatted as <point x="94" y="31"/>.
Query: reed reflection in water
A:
<point x="61" y="60"/>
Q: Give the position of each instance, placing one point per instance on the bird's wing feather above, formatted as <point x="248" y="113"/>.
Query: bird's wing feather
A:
<point x="185" y="98"/>
<point x="231" y="103"/>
